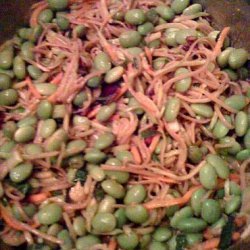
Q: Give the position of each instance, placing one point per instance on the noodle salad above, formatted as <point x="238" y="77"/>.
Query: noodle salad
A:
<point x="125" y="124"/>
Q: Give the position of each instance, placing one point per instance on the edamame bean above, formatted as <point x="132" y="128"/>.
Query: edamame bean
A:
<point x="183" y="34"/>
<point x="136" y="194"/>
<point x="234" y="188"/>
<point x="234" y="148"/>
<point x="196" y="200"/>
<point x="159" y="63"/>
<point x="192" y="9"/>
<point x="19" y="68"/>
<point x="8" y="97"/>
<point x="80" y="98"/>
<point x="62" y="22"/>
<point x="44" y="109"/>
<point x="145" y="241"/>
<point x="45" y="16"/>
<point x="222" y="59"/>
<point x="237" y="102"/>
<point x="24" y="134"/>
<point x="5" y="82"/>
<point x="7" y="147"/>
<point x="170" y="37"/>
<point x="79" y="225"/>
<point x="80" y="30"/>
<point x="104" y="222"/>
<point x="195" y="154"/>
<point x="86" y="242"/>
<point x="233" y="204"/>
<point x="145" y="28"/>
<point x="129" y="39"/>
<point x="120" y="177"/>
<point x="184" y="84"/>
<point x="179" y="5"/>
<point x="208" y="176"/>
<point x="237" y="58"/>
<point x="154" y="44"/>
<point x="247" y="139"/>
<point x="102" y="62"/>
<point x="28" y="121"/>
<point x="124" y="156"/>
<point x="6" y="58"/>
<point x="121" y="219"/>
<point x="49" y="214"/>
<point x="45" y="89"/>
<point x="194" y="238"/>
<point x="75" y="146"/>
<point x="220" y="130"/>
<point x="128" y="241"/>
<point x="21" y="172"/>
<point x="220" y="166"/>
<point x="191" y="225"/>
<point x="54" y="142"/>
<point x="9" y="128"/>
<point x="162" y="234"/>
<point x="243" y="155"/>
<point x="48" y="127"/>
<point x="172" y="109"/>
<point x="135" y="17"/>
<point x="34" y="72"/>
<point x="114" y="74"/>
<point x="95" y="156"/>
<point x="94" y="82"/>
<point x="172" y="243"/>
<point x="59" y="111"/>
<point x="106" y="112"/>
<point x="202" y="109"/>
<point x="220" y="223"/>
<point x="58" y="4"/>
<point x="76" y="161"/>
<point x="211" y="211"/>
<point x="136" y="105"/>
<point x="104" y="141"/>
<point x="33" y="149"/>
<point x="185" y="212"/>
<point x="165" y="12"/>
<point x="241" y="123"/>
<point x="156" y="245"/>
<point x="27" y="50"/>
<point x="97" y="173"/>
<point x="134" y="51"/>
<point x="137" y="213"/>
<point x="152" y="16"/>
<point x="67" y="241"/>
<point x="107" y="205"/>
<point x="113" y="188"/>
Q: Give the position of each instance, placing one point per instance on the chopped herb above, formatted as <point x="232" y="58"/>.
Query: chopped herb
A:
<point x="37" y="247"/>
<point x="148" y="133"/>
<point x="155" y="158"/>
<point x="5" y="201"/>
<point x="226" y="234"/>
<point x="220" y="194"/>
<point x="81" y="175"/>
<point x="99" y="193"/>
<point x="24" y="188"/>
<point x="181" y="242"/>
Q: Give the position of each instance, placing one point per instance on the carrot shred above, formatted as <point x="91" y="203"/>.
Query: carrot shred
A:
<point x="112" y="244"/>
<point x="39" y="198"/>
<point x="32" y="88"/>
<point x="210" y="244"/>
<point x="136" y="154"/>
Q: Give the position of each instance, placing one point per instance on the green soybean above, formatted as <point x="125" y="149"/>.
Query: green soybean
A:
<point x="137" y="213"/>
<point x="234" y="188"/>
<point x="7" y="147"/>
<point x="106" y="112"/>
<point x="104" y="141"/>
<point x="185" y="212"/>
<point x="184" y="84"/>
<point x="129" y="39"/>
<point x="246" y="139"/>
<point x="243" y="155"/>
<point x="104" y="222"/>
<point x="124" y="156"/>
<point x="6" y="58"/>
<point x="9" y="128"/>
<point x="33" y="149"/>
<point x="128" y="241"/>
<point x="107" y="205"/>
<point x="208" y="176"/>
<point x="54" y="142"/>
<point x="162" y="234"/>
<point x="237" y="102"/>
<point x="193" y="238"/>
<point x="195" y="154"/>
<point x="233" y="76"/>
<point x="136" y="105"/>
<point x="136" y="194"/>
<point x="114" y="74"/>
<point x="24" y="134"/>
<point x="234" y="148"/>
<point x="223" y="58"/>
<point x="152" y="16"/>
<point x="172" y="109"/>
<point x="159" y="63"/>
<point x="21" y="172"/>
<point x="48" y="127"/>
<point x="156" y="245"/>
<point x="94" y="82"/>
<point x="102" y="62"/>
<point x="237" y="58"/>
<point x="220" y="166"/>
<point x="27" y="50"/>
<point x="233" y="204"/>
<point x="62" y="22"/>
<point x="46" y="89"/>
<point x="135" y="17"/>
<point x="5" y="82"/>
<point x="67" y="241"/>
<point x="58" y="4"/>
<point x="192" y="225"/>
<point x="79" y="226"/>
<point x="241" y="123"/>
<point x="45" y="16"/>
<point x="145" y="28"/>
<point x="19" y="68"/>
<point x="34" y="72"/>
<point x="80" y="98"/>
<point x="86" y="242"/>
<point x="113" y="188"/>
<point x="8" y="97"/>
<point x="211" y="211"/>
<point x="170" y="37"/>
<point x="75" y="146"/>
<point x="202" y="109"/>
<point x="44" y="109"/>
<point x="95" y="156"/>
<point x="179" y="5"/>
<point x="165" y="12"/>
<point x="49" y="214"/>
<point x="192" y="9"/>
<point x="28" y="121"/>
<point x="97" y="173"/>
<point x="196" y="200"/>
<point x="121" y="219"/>
<point x="220" y="130"/>
<point x="183" y="34"/>
<point x="145" y="241"/>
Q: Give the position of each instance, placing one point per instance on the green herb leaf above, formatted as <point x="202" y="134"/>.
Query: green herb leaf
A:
<point x="226" y="234"/>
<point x="181" y="242"/>
<point x="81" y="176"/>
<point x="99" y="192"/>
<point x="148" y="133"/>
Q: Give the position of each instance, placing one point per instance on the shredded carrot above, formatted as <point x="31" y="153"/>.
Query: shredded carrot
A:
<point x="112" y="244"/>
<point x="240" y="221"/>
<point x="210" y="244"/>
<point x="34" y="17"/>
<point x="32" y="88"/>
<point x="234" y="177"/>
<point x="57" y="79"/>
<point x="167" y="203"/>
<point x="136" y="154"/>
<point x="39" y="198"/>
<point x="208" y="234"/>
<point x="235" y="236"/>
